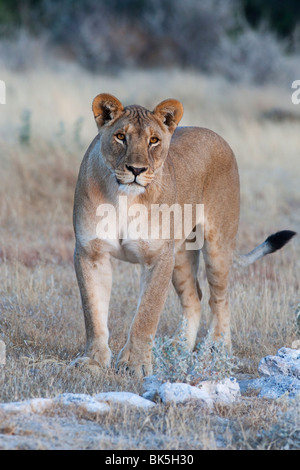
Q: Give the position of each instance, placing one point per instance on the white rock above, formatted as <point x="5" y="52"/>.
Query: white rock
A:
<point x="296" y="344"/>
<point x="35" y="405"/>
<point x="38" y="405"/>
<point x="206" y="393"/>
<point x="176" y="393"/>
<point x="124" y="398"/>
<point x="151" y="387"/>
<point x="273" y="386"/>
<point x="289" y="354"/>
<point x="286" y="362"/>
<point x="17" y="406"/>
<point x="82" y="400"/>
<point x="225" y="391"/>
<point x="277" y="386"/>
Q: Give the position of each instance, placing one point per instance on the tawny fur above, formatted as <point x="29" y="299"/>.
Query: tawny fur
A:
<point x="187" y="165"/>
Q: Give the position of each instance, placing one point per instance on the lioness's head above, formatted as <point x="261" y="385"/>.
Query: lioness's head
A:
<point x="134" y="141"/>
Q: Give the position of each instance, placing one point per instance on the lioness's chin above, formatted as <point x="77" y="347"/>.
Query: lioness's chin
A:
<point x="132" y="188"/>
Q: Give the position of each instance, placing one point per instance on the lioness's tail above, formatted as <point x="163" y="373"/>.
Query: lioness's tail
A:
<point x="272" y="243"/>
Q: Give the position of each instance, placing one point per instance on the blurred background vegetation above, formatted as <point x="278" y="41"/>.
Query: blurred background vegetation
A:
<point x="252" y="40"/>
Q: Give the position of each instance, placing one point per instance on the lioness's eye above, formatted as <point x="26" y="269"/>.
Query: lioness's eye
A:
<point x="120" y="136"/>
<point x="154" y="140"/>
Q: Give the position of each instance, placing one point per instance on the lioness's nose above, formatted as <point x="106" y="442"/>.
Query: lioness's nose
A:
<point x="136" y="171"/>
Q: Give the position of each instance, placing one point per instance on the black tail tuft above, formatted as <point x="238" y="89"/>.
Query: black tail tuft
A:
<point x="279" y="239"/>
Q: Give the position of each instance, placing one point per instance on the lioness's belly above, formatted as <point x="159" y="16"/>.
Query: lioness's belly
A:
<point x="125" y="250"/>
<point x="138" y="251"/>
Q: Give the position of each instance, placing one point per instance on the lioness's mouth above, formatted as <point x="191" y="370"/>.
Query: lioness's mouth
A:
<point x="133" y="187"/>
<point x="131" y="183"/>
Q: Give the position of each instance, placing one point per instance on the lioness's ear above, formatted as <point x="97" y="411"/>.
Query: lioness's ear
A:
<point x="170" y="112"/>
<point x="106" y="108"/>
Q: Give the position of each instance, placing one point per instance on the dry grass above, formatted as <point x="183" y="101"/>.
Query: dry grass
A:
<point x="41" y="318"/>
<point x="238" y="427"/>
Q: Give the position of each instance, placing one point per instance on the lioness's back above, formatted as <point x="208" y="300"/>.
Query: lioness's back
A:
<point x="199" y="158"/>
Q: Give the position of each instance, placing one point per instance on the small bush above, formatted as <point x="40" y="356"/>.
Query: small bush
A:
<point x="253" y="56"/>
<point x="175" y="363"/>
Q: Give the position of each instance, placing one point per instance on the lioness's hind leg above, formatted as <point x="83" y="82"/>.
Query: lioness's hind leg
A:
<point x="218" y="259"/>
<point x="188" y="289"/>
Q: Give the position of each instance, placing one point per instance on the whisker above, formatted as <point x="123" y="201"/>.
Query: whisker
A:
<point x="159" y="184"/>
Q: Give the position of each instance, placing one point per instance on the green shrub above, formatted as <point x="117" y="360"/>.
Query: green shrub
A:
<point x="175" y="363"/>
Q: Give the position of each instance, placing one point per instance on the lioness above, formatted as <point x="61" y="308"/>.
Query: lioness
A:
<point x="142" y="155"/>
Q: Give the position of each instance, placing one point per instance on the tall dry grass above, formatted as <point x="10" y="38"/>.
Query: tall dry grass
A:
<point x="41" y="319"/>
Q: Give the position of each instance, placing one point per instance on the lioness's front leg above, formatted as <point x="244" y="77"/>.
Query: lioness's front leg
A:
<point x="155" y="281"/>
<point x="94" y="275"/>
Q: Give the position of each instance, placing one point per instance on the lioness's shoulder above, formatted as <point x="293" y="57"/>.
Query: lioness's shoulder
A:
<point x="185" y="138"/>
<point x="195" y="133"/>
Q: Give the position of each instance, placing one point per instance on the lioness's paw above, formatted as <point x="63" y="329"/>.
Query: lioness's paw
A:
<point x="93" y="360"/>
<point x="137" y="370"/>
<point x="137" y="365"/>
<point x="85" y="363"/>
